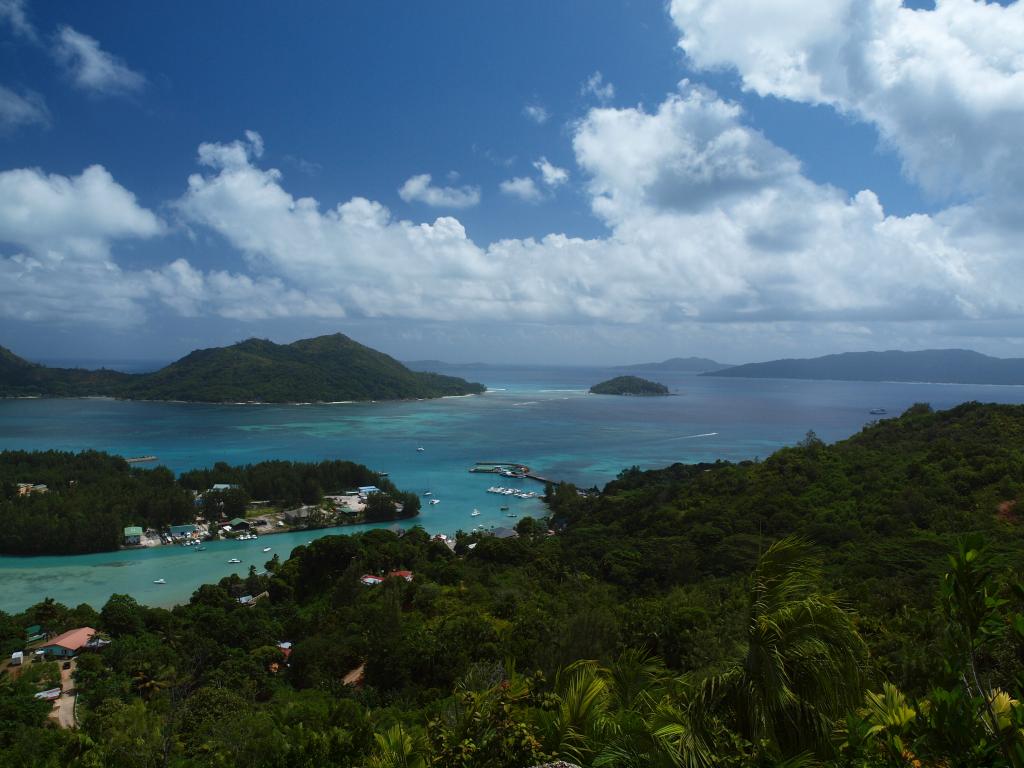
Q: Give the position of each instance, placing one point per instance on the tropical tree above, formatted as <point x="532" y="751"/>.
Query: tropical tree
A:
<point x="398" y="747"/>
<point x="804" y="663"/>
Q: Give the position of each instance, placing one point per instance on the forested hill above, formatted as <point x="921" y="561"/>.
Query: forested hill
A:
<point x="832" y="605"/>
<point x="323" y="369"/>
<point x="943" y="366"/>
<point x="629" y="385"/>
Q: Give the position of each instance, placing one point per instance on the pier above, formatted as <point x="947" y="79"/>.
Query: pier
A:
<point x="517" y="470"/>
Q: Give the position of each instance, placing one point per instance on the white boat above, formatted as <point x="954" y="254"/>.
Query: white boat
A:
<point x="475" y="513"/>
<point x="234" y="560"/>
<point x="428" y="493"/>
<point x="420" y="449"/>
<point x="159" y="581"/>
<point x="266" y="549"/>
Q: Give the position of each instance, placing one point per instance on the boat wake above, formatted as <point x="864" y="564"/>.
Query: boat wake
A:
<point x="691" y="437"/>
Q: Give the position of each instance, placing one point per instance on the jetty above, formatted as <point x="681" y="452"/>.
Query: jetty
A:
<point x="140" y="459"/>
<point x="514" y="469"/>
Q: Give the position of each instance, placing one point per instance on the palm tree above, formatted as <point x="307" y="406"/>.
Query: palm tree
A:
<point x="398" y="748"/>
<point x="804" y="665"/>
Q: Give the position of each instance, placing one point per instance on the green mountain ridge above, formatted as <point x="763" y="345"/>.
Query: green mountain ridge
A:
<point x="940" y="366"/>
<point x="322" y="369"/>
<point x="696" y="364"/>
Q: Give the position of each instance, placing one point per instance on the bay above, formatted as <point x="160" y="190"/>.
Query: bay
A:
<point x="542" y="417"/>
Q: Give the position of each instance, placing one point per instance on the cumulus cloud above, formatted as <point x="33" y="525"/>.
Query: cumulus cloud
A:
<point x="17" y="110"/>
<point x="550" y="174"/>
<point x="945" y="87"/>
<point x="63" y="271"/>
<point x="419" y="189"/>
<point x="598" y="87"/>
<point x="708" y="222"/>
<point x="93" y="69"/>
<point x="536" y="113"/>
<point x="64" y="228"/>
<point x="522" y="187"/>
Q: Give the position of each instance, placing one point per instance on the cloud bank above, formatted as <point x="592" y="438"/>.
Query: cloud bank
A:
<point x="708" y="221"/>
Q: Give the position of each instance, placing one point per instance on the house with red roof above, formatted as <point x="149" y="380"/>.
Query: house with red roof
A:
<point x="407" y="575"/>
<point x="69" y="643"/>
<point x="370" y="580"/>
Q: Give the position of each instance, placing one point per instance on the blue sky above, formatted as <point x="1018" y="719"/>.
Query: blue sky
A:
<point x="351" y="101"/>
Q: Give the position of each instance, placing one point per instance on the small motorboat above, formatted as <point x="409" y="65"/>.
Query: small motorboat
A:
<point x="503" y="507"/>
<point x="159" y="581"/>
<point x="420" y="449"/>
<point x="233" y="561"/>
<point x="266" y="549"/>
<point x="428" y="493"/>
<point x="475" y="513"/>
<point x="877" y="411"/>
<point x="434" y="501"/>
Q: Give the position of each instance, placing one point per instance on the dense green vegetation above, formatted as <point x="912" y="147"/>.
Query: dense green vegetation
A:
<point x="324" y="369"/>
<point x="629" y="385"/>
<point x="948" y="366"/>
<point x="848" y="605"/>
<point x="91" y="496"/>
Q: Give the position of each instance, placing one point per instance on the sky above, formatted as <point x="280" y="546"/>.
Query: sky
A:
<point x="532" y="182"/>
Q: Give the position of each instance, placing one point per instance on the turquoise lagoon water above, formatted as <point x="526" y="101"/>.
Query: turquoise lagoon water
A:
<point x="542" y="417"/>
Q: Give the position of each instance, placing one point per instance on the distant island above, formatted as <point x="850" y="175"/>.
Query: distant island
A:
<point x="629" y="385"/>
<point x="323" y="369"/>
<point x="940" y="366"/>
<point x="694" y="364"/>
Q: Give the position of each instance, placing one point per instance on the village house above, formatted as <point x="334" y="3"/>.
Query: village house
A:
<point x="132" y="535"/>
<point x="24" y="489"/>
<point x="68" y="644"/>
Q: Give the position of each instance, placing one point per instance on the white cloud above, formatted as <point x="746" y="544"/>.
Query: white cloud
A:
<point x="709" y="222"/>
<point x="13" y="12"/>
<point x="64" y="271"/>
<point x="598" y="87"/>
<point x="522" y="187"/>
<point x="945" y="87"/>
<point x="65" y="227"/>
<point x="18" y="110"/>
<point x="536" y="113"/>
<point x="93" y="69"/>
<point x="551" y="175"/>
<point x="419" y="189"/>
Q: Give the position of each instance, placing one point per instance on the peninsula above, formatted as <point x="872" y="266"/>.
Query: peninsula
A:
<point x="323" y="369"/>
<point x="938" y="366"/>
<point x="629" y="385"/>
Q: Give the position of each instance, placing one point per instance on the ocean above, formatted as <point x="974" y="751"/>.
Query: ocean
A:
<point x="542" y="417"/>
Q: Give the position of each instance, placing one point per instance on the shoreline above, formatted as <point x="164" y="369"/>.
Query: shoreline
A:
<point x="236" y="402"/>
<point x="160" y="547"/>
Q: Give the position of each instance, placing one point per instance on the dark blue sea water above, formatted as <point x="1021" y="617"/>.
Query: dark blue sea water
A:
<point x="542" y="417"/>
